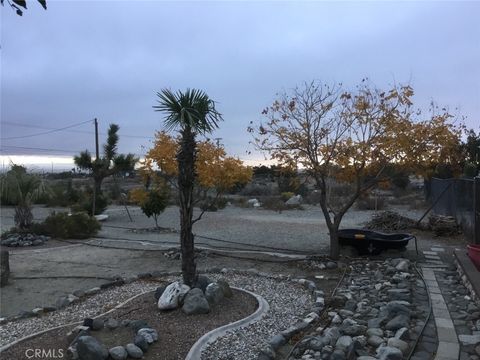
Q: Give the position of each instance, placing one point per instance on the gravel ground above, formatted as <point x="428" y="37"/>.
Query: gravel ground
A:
<point x="92" y="306"/>
<point x="288" y="302"/>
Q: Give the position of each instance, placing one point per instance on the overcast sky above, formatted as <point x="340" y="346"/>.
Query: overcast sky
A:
<point x="107" y="59"/>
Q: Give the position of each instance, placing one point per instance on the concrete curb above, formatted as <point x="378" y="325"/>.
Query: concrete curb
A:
<point x="7" y="346"/>
<point x="195" y="352"/>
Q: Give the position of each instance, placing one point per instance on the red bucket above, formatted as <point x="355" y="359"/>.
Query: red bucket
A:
<point x="474" y="254"/>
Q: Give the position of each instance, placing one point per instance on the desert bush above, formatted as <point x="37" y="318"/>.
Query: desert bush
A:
<point x="371" y="203"/>
<point x="63" y="194"/>
<point x="275" y="203"/>
<point x="286" y="195"/>
<point x="210" y="205"/>
<point x="85" y="203"/>
<point x="114" y="191"/>
<point x="65" y="226"/>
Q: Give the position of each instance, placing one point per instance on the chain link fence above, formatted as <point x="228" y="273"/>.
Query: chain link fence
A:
<point x="457" y="198"/>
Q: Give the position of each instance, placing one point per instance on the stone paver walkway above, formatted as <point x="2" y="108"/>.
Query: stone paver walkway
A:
<point x="445" y="291"/>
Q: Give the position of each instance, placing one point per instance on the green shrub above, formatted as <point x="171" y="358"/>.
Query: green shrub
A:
<point x="155" y="203"/>
<point x="210" y="205"/>
<point x="63" y="194"/>
<point x="64" y="226"/>
<point x="286" y="195"/>
<point x="85" y="204"/>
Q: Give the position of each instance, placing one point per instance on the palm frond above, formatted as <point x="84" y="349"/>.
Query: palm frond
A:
<point x="192" y="108"/>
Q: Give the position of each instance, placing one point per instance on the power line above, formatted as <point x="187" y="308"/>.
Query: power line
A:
<point x="9" y="123"/>
<point x="46" y="132"/>
<point x="3" y="148"/>
<point x="35" y="148"/>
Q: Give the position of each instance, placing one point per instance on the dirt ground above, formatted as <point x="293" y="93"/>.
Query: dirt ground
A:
<point x="39" y="276"/>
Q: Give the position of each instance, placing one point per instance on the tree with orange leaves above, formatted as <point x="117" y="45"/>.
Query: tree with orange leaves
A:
<point x="352" y="136"/>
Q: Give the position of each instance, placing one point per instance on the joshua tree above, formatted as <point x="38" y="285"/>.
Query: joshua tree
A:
<point x="21" y="189"/>
<point x="111" y="163"/>
<point x="192" y="112"/>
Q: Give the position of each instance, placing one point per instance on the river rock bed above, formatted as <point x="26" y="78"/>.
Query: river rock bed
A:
<point x="17" y="240"/>
<point x="377" y="312"/>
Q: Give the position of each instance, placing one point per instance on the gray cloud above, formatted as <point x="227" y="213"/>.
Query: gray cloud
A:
<point x="105" y="59"/>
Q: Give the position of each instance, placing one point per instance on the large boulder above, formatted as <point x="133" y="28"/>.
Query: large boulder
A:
<point x="89" y="348"/>
<point x="214" y="293"/>
<point x="195" y="303"/>
<point x="170" y="297"/>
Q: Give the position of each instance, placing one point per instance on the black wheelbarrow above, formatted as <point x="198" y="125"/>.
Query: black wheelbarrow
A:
<point x="368" y="242"/>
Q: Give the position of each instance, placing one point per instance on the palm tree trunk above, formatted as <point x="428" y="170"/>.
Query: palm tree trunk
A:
<point x="186" y="180"/>
<point x="23" y="217"/>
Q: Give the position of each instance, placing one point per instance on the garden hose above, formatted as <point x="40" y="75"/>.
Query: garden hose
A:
<point x="319" y="315"/>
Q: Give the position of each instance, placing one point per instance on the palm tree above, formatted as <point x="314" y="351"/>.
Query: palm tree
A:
<point x="192" y="112"/>
<point x="21" y="189"/>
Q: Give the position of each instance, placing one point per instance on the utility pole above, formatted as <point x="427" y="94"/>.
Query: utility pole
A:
<point x="97" y="156"/>
<point x="97" y="153"/>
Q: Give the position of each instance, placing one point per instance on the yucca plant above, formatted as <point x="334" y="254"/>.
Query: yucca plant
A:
<point x="191" y="112"/>
<point x="22" y="189"/>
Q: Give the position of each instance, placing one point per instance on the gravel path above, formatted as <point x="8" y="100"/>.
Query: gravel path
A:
<point x="92" y="306"/>
<point x="288" y="303"/>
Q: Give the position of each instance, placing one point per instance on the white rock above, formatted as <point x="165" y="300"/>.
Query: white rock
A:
<point x="169" y="298"/>
<point x="294" y="200"/>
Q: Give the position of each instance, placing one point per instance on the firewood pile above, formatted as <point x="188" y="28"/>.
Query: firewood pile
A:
<point x="389" y="221"/>
<point x="443" y="225"/>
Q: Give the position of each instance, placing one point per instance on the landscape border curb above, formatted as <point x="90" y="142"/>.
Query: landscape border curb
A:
<point x="9" y="345"/>
<point x="195" y="352"/>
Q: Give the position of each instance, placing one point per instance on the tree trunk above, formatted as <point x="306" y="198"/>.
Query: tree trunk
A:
<point x="186" y="180"/>
<point x="23" y="216"/>
<point x="5" y="268"/>
<point x="334" y="244"/>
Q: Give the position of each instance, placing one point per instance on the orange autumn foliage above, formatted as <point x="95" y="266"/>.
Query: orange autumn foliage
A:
<point x="215" y="169"/>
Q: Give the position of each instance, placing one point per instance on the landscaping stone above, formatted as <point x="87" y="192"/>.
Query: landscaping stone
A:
<point x="227" y="291"/>
<point x="112" y="324"/>
<point x="118" y="353"/>
<point x="195" y="303"/>
<point x="213" y="293"/>
<point x="202" y="282"/>
<point x="89" y="348"/>
<point x="159" y="291"/>
<point x="141" y="342"/>
<point x="138" y="324"/>
<point x="389" y="353"/>
<point x="98" y="324"/>
<point x="149" y="334"/>
<point x="134" y="351"/>
<point x="398" y="322"/>
<point x="170" y="297"/>
<point x="399" y="344"/>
